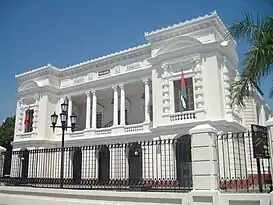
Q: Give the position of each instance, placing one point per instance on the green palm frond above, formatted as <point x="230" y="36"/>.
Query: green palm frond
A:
<point x="258" y="61"/>
<point x="246" y="28"/>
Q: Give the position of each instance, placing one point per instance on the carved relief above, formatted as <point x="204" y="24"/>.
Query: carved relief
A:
<point x="78" y="80"/>
<point x="117" y="69"/>
<point x="90" y="76"/>
<point x="165" y="88"/>
<point x="198" y="84"/>
<point x="226" y="86"/>
<point x="133" y="66"/>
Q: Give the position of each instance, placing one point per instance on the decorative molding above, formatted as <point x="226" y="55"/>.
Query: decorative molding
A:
<point x="209" y="20"/>
<point x="166" y="88"/>
<point x="198" y="84"/>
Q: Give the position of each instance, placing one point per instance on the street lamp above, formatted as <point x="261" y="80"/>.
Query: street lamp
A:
<point x="63" y="126"/>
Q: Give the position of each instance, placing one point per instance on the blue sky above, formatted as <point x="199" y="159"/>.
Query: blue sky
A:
<point x="34" y="33"/>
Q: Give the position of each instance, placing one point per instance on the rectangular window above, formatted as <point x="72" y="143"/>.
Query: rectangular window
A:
<point x="189" y="94"/>
<point x="28" y="120"/>
<point x="99" y="120"/>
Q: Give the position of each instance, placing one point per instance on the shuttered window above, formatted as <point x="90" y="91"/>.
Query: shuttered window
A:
<point x="189" y="93"/>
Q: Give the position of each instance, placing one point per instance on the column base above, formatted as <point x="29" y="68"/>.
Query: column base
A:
<point x="208" y="197"/>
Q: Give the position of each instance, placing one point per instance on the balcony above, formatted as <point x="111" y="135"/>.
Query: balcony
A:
<point x="114" y="130"/>
<point x="180" y="117"/>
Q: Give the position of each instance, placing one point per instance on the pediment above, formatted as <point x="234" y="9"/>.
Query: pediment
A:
<point x="28" y="85"/>
<point x="178" y="43"/>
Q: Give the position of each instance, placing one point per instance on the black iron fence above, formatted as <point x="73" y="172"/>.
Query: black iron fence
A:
<point x="149" y="165"/>
<point x="239" y="170"/>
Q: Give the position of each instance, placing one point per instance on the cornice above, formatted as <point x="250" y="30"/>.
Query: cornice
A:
<point x="96" y="63"/>
<point x="109" y="59"/>
<point x="182" y="28"/>
<point x="44" y="70"/>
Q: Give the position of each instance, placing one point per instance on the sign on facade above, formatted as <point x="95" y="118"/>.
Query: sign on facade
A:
<point x="260" y="142"/>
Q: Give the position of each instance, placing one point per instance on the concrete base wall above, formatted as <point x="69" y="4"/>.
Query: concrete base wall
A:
<point x="27" y="196"/>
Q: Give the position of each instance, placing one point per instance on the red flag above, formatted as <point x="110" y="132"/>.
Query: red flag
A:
<point x="183" y="85"/>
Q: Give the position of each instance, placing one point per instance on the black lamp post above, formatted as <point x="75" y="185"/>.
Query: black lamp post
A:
<point x="64" y="118"/>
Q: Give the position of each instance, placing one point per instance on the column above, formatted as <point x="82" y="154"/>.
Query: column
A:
<point x="147" y="100"/>
<point x="115" y="108"/>
<point x="70" y="109"/>
<point x="205" y="171"/>
<point x="122" y="105"/>
<point x="94" y="109"/>
<point x="88" y="109"/>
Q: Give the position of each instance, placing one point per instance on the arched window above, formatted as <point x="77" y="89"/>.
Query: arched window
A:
<point x="183" y="161"/>
<point x="24" y="158"/>
<point x="104" y="164"/>
<point x="135" y="163"/>
<point x="77" y="164"/>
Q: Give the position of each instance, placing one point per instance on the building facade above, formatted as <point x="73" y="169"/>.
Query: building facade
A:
<point x="134" y="95"/>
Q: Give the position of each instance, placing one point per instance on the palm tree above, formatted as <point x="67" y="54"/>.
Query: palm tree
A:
<point x="258" y="61"/>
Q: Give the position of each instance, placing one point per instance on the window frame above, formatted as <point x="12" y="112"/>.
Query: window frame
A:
<point x="193" y="94"/>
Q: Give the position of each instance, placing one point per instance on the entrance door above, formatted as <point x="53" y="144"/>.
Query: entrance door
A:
<point x="24" y="161"/>
<point x="135" y="163"/>
<point x="104" y="164"/>
<point x="77" y="164"/>
<point x="183" y="161"/>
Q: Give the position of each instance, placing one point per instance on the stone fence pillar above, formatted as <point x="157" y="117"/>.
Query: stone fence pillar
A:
<point x="205" y="167"/>
<point x="2" y="160"/>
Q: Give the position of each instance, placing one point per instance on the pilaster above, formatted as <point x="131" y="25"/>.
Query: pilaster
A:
<point x="36" y="115"/>
<point x="165" y="93"/>
<point x="226" y="88"/>
<point x="199" y="89"/>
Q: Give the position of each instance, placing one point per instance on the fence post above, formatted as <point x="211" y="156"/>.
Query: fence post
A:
<point x="205" y="168"/>
<point x="2" y="160"/>
<point x="269" y="125"/>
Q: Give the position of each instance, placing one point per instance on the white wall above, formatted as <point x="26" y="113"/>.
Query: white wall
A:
<point x="26" y="196"/>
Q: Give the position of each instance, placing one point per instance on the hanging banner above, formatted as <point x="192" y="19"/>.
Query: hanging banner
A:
<point x="260" y="142"/>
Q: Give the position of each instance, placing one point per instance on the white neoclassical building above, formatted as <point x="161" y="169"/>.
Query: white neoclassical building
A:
<point x="134" y="94"/>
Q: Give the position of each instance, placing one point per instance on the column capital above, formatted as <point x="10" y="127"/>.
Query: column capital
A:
<point x="165" y="66"/>
<point x="88" y="93"/>
<point x="145" y="81"/>
<point x="36" y="98"/>
<point x="69" y="97"/>
<point x="206" y="128"/>
<point x="196" y="61"/>
<point x="93" y="92"/>
<point x="121" y="86"/>
<point x="114" y="87"/>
